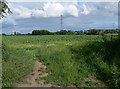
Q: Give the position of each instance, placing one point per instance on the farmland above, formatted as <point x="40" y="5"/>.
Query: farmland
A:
<point x="70" y="59"/>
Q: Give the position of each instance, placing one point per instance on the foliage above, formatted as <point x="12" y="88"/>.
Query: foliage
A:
<point x="40" y="32"/>
<point x="4" y="9"/>
<point x="68" y="32"/>
<point x="104" y="61"/>
<point x="65" y="32"/>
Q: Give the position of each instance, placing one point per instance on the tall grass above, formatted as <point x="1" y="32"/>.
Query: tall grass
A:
<point x="59" y="63"/>
<point x="70" y="65"/>
<point x="15" y="65"/>
<point x="99" y="60"/>
<point x="65" y="68"/>
<point x="20" y="50"/>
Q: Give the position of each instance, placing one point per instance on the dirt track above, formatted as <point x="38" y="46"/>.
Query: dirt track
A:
<point x="33" y="79"/>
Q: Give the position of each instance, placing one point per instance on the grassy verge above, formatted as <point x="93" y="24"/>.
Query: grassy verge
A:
<point x="70" y="65"/>
<point x="63" y="65"/>
<point x="59" y="63"/>
<point x="101" y="60"/>
<point x="15" y="65"/>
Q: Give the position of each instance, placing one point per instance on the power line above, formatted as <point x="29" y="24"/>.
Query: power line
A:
<point x="113" y="25"/>
<point x="15" y="29"/>
<point x="61" y="22"/>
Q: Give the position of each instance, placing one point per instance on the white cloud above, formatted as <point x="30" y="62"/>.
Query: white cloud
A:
<point x="9" y="20"/>
<point x="63" y="0"/>
<point x="53" y="9"/>
<point x="48" y="10"/>
<point x="22" y="12"/>
<point x="37" y="13"/>
<point x="95" y="11"/>
<point x="72" y="10"/>
<point x="74" y="1"/>
<point x="85" y="11"/>
<point x="104" y="9"/>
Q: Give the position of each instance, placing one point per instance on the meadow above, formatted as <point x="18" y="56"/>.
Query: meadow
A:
<point x="70" y="59"/>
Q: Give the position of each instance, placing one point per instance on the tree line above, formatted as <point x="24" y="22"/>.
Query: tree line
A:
<point x="68" y="32"/>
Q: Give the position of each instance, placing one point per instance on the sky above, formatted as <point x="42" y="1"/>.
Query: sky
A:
<point x="28" y="16"/>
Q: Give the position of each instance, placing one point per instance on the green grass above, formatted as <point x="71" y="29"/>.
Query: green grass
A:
<point x="59" y="63"/>
<point x="15" y="65"/>
<point x="96" y="56"/>
<point x="69" y="58"/>
<point x="66" y="64"/>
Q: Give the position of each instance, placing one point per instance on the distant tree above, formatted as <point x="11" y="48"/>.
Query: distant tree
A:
<point x="93" y="32"/>
<point x="3" y="34"/>
<point x="86" y="32"/>
<point x="56" y="33"/>
<point x="71" y="33"/>
<point x="80" y="32"/>
<point x="52" y="33"/>
<point x="4" y="9"/>
<point x="65" y="32"/>
<point x="18" y="33"/>
<point x="40" y="32"/>
<point x="28" y="34"/>
<point x="62" y="32"/>
<point x="15" y="33"/>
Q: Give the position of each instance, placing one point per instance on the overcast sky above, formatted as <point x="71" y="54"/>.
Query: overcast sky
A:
<point x="28" y="16"/>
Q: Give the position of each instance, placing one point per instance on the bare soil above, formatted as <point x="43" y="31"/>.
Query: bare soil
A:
<point x="33" y="79"/>
<point x="95" y="80"/>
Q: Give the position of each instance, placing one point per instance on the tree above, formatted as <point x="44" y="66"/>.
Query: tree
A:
<point x="15" y="33"/>
<point x="80" y="32"/>
<point x="62" y="32"/>
<point x="3" y="34"/>
<point x="40" y="32"/>
<point x="4" y="9"/>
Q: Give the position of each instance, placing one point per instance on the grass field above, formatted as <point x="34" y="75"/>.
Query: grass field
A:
<point x="70" y="59"/>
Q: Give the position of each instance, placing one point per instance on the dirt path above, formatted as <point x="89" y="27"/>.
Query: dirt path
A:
<point x="33" y="79"/>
